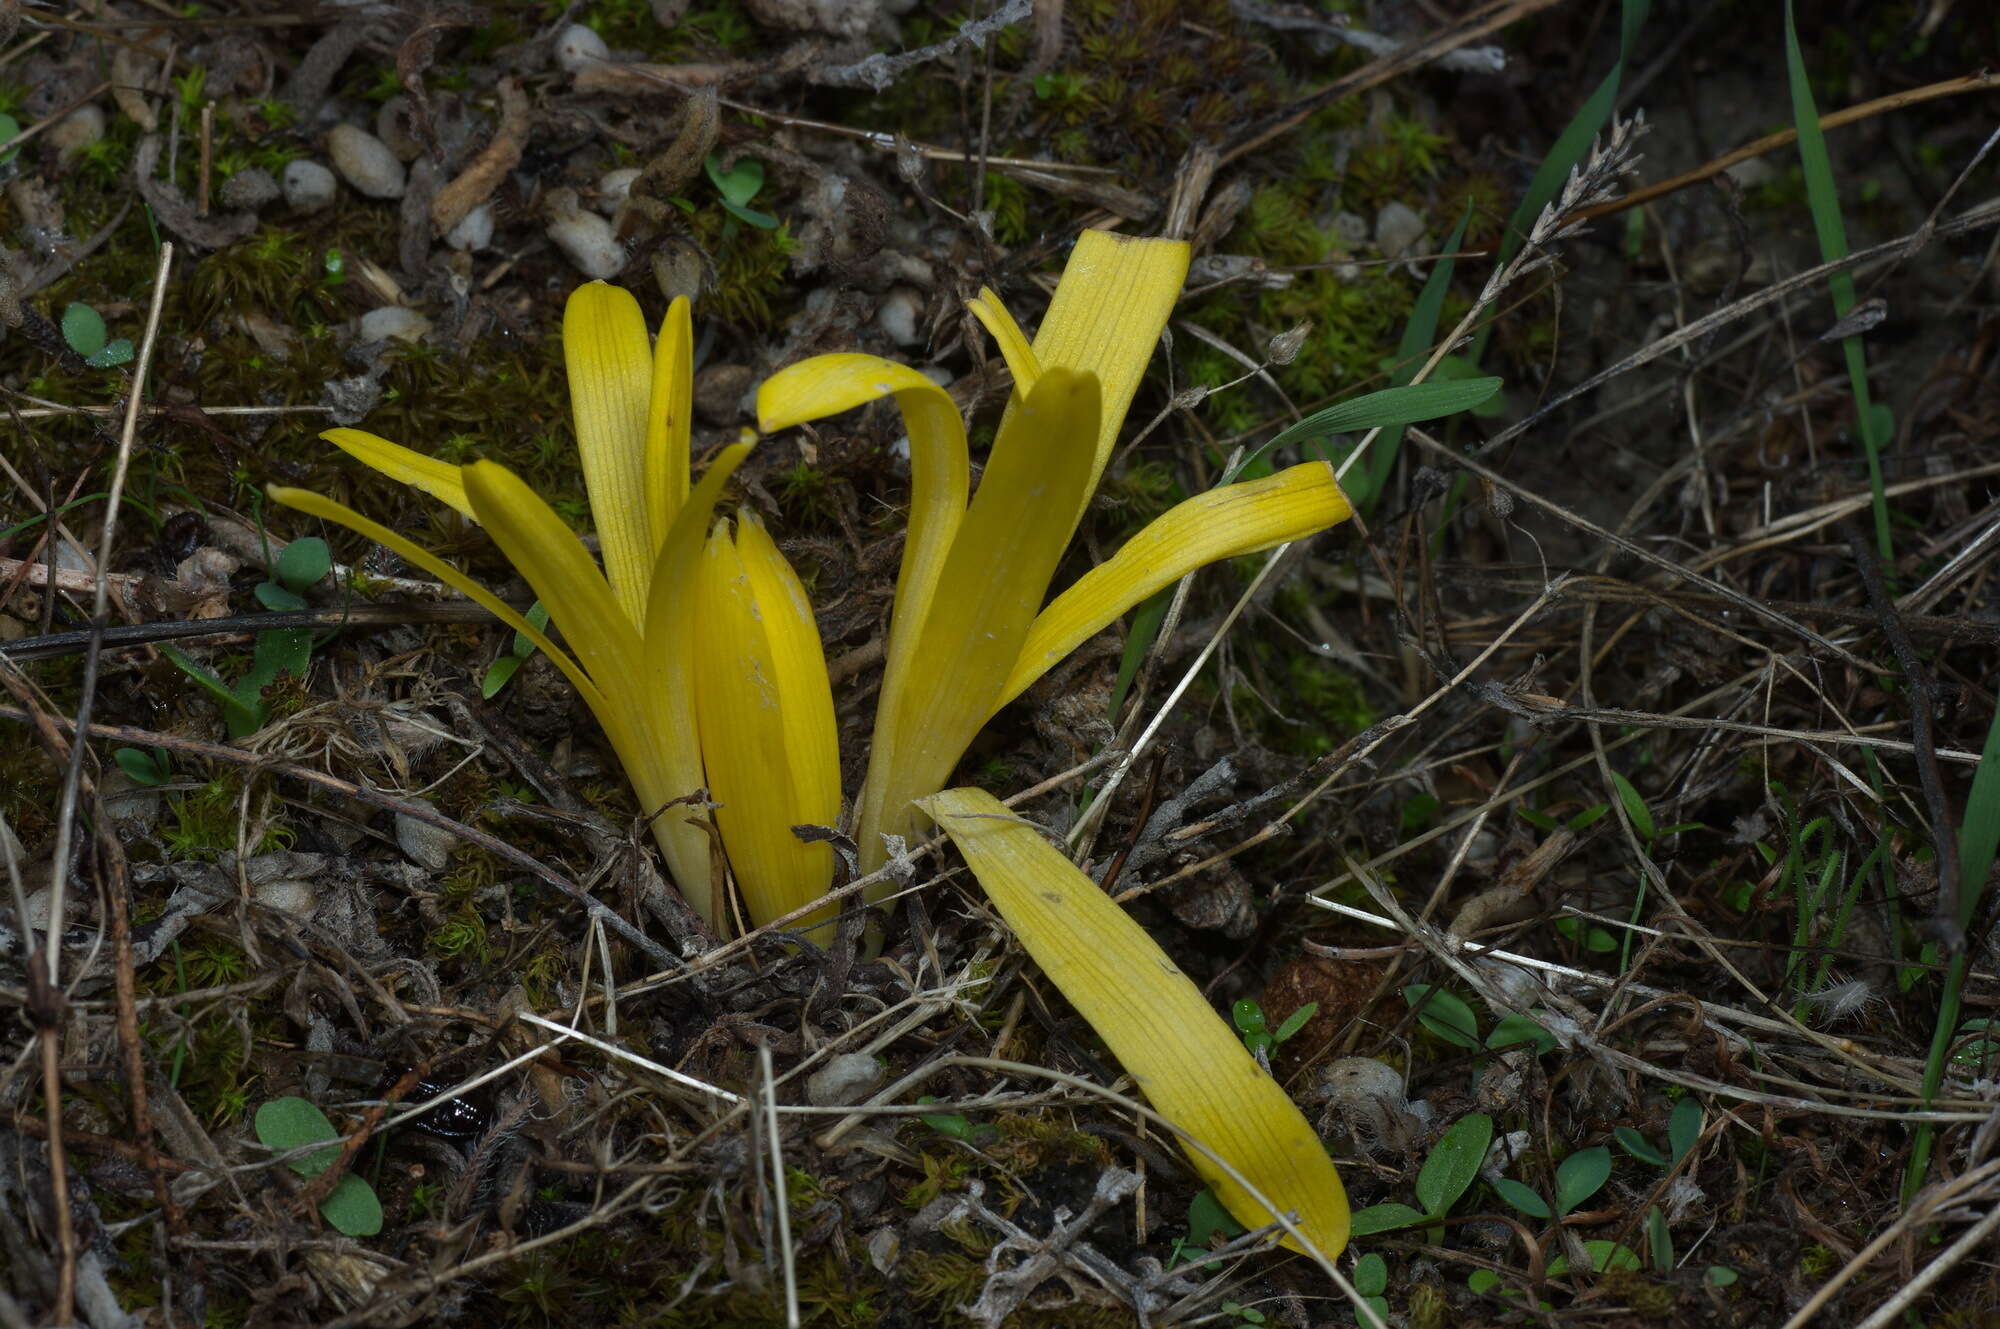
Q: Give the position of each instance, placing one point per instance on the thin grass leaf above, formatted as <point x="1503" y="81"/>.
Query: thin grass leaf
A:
<point x="1823" y="198"/>
<point x="1388" y="408"/>
<point x="1418" y="336"/>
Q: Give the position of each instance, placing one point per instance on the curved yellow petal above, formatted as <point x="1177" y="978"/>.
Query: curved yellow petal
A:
<point x="1113" y="301"/>
<point x="991" y="586"/>
<point x="1007" y="335"/>
<point x="562" y="573"/>
<point x="439" y="479"/>
<point x="318" y="505"/>
<point x="1222" y="523"/>
<point x="1190" y="1065"/>
<point x="812" y="747"/>
<point x="940" y="475"/>
<point x="609" y="360"/>
<point x="669" y="414"/>
<point x="668" y="687"/>
<point x="747" y="729"/>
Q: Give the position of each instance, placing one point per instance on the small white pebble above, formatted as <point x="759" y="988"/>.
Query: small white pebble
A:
<point x="588" y="242"/>
<point x="614" y="187"/>
<point x="296" y="898"/>
<point x="844" y="1079"/>
<point x="393" y="321"/>
<point x="579" y="46"/>
<point x="308" y="186"/>
<point x="898" y="315"/>
<point x="366" y="162"/>
<point x="475" y="231"/>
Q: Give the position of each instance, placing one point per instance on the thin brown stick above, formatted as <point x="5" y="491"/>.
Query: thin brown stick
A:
<point x="1983" y="81"/>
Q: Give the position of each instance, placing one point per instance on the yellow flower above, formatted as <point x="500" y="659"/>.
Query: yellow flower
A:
<point x="696" y="648"/>
<point x="968" y="631"/>
<point x="631" y="625"/>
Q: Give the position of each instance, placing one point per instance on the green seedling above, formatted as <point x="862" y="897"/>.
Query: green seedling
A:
<point x="503" y="669"/>
<point x="83" y="329"/>
<point x="957" y="1125"/>
<point x="1451" y="1168"/>
<point x="1206" y="1220"/>
<point x="151" y="769"/>
<point x="285" y="1124"/>
<point x="738" y="185"/>
<point x="1443" y="1014"/>
<point x="1259" y="1037"/>
<point x="278" y="651"/>
<point x="1578" y="1177"/>
<point x="1371" y="1280"/>
<point x="10" y="129"/>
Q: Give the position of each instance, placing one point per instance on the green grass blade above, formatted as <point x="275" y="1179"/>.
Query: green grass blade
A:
<point x="1824" y="199"/>
<point x="1978" y="837"/>
<point x="1418" y="336"/>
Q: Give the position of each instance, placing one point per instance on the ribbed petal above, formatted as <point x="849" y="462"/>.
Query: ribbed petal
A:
<point x="439" y="479"/>
<point x="669" y="689"/>
<point x="318" y="505"/>
<point x="812" y="736"/>
<point x="748" y="739"/>
<point x="992" y="584"/>
<point x="939" y="479"/>
<point x="1192" y="1068"/>
<point x="1222" y="523"/>
<point x="564" y="577"/>
<point x="1007" y="335"/>
<point x="1110" y="307"/>
<point x="668" y="416"/>
<point x="610" y="363"/>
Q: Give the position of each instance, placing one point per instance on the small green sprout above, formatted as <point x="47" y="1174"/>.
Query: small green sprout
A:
<point x="738" y="185"/>
<point x="284" y="1124"/>
<point x="151" y="769"/>
<point x="279" y="651"/>
<point x="83" y="328"/>
<point x="1451" y="1168"/>
<point x="503" y="669"/>
<point x="1258" y="1036"/>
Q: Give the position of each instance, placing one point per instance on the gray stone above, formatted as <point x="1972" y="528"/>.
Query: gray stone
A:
<point x="77" y="131"/>
<point x="588" y="242"/>
<point x="252" y="187"/>
<point x="309" y="186"/>
<point x="474" y="232"/>
<point x="578" y="46"/>
<point x="426" y="844"/>
<point x="393" y="321"/>
<point x="1398" y="228"/>
<point x="845" y="1079"/>
<point x="366" y="162"/>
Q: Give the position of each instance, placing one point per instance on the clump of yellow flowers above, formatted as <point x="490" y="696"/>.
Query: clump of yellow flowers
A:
<point x="694" y="645"/>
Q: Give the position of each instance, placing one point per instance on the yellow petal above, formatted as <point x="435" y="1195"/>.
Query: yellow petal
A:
<point x="1222" y="523"/>
<point x="991" y="586"/>
<point x="562" y="573"/>
<point x="318" y="505"/>
<point x="669" y="689"/>
<point x="939" y="478"/>
<point x="609" y="360"/>
<point x="747" y="739"/>
<point x="812" y="736"/>
<point x="1110" y="307"/>
<point x="1007" y="335"/>
<point x="439" y="479"/>
<point x="1192" y="1068"/>
<point x="668" y="415"/>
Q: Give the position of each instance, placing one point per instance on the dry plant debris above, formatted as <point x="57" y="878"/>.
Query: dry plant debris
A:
<point x="1593" y="839"/>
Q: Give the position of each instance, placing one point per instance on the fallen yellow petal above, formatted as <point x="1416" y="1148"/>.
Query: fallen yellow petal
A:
<point x="1222" y="523"/>
<point x="439" y="479"/>
<point x="610" y="365"/>
<point x="1190" y="1065"/>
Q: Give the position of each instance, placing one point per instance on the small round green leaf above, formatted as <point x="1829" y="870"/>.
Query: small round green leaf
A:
<point x="1639" y="1147"/>
<point x="1443" y="1014"/>
<point x="1521" y="1197"/>
<point x="110" y="355"/>
<point x="352" y="1208"/>
<point x="276" y="598"/>
<point x="1581" y="1176"/>
<point x="1684" y="1127"/>
<point x="1383" y="1218"/>
<point x="303" y="562"/>
<point x="287" y="1123"/>
<point x="83" y="328"/>
<point x="1371" y="1275"/>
